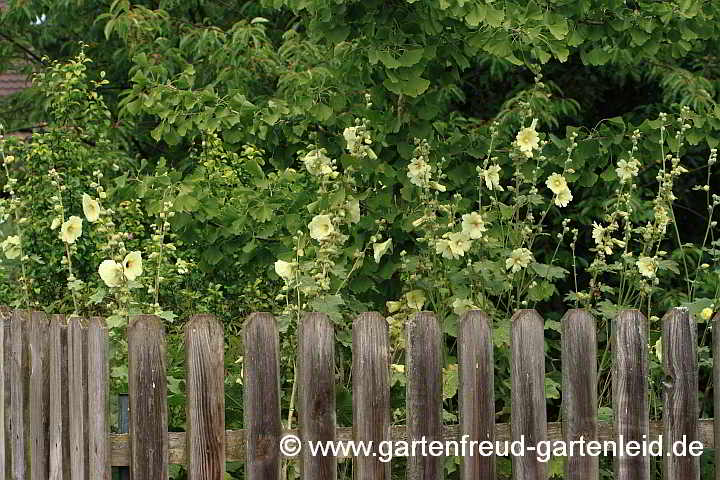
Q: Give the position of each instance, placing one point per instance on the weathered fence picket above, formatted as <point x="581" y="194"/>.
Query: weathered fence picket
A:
<point x="54" y="378"/>
<point x="476" y="373"/>
<point x="579" y="387"/>
<point x="424" y="360"/>
<point x="631" y="402"/>
<point x="205" y="409"/>
<point x="371" y="393"/>
<point x="147" y="382"/>
<point x="59" y="395"/>
<point x="262" y="397"/>
<point x="528" y="417"/>
<point x="38" y="398"/>
<point x="316" y="393"/>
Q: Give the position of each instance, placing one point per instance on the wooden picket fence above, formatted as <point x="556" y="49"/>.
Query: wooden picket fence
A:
<point x="54" y="397"/>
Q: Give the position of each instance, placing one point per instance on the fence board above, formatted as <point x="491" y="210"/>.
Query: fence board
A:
<point x="98" y="399"/>
<point x="424" y="360"/>
<point x="316" y="393"/>
<point x="148" y="399"/>
<point x="631" y="403"/>
<point x="579" y="392"/>
<point x="681" y="407"/>
<point x="59" y="420"/>
<point x="39" y="395"/>
<point x="371" y="393"/>
<point x="205" y="407"/>
<point x="5" y="315"/>
<point x="262" y="397"/>
<point x="77" y="398"/>
<point x="528" y="415"/>
<point x="19" y="379"/>
<point x="476" y="395"/>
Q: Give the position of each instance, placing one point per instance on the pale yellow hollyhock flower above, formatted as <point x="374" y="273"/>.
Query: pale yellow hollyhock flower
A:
<point x="321" y="227"/>
<point x="519" y="259"/>
<point x="556" y="183"/>
<point x="71" y="229"/>
<point x="11" y="247"/>
<point x="91" y="208"/>
<point x="459" y="243"/>
<point x="647" y="266"/>
<point x="415" y="299"/>
<point x="285" y="269"/>
<point x="473" y="225"/>
<point x="528" y="140"/>
<point x="55" y="223"/>
<point x="706" y="313"/>
<point x="563" y="197"/>
<point x="111" y="273"/>
<point x="598" y="233"/>
<point x="380" y="249"/>
<point x="491" y="175"/>
<point x="132" y="265"/>
<point x="442" y="247"/>
<point x="626" y="170"/>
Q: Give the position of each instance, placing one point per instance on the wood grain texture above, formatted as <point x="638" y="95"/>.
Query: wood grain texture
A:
<point x="148" y="398"/>
<point x="424" y="360"/>
<point x="19" y="383"/>
<point x="476" y="375"/>
<point x="528" y="416"/>
<point x="77" y="397"/>
<point x="631" y="402"/>
<point x="5" y="317"/>
<point x="59" y="420"/>
<point x="579" y="390"/>
<point x="371" y="392"/>
<point x="680" y="393"/>
<point x="98" y="375"/>
<point x="316" y="393"/>
<point x="205" y="404"/>
<point x="39" y="393"/>
<point x="716" y="386"/>
<point x="262" y="397"/>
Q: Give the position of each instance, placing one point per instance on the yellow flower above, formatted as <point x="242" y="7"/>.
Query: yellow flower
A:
<point x="317" y="163"/>
<point x="519" y="259"/>
<point x="491" y="175"/>
<point x="111" y="273"/>
<point x="132" y="265"/>
<point x="380" y="249"/>
<point x="71" y="229"/>
<point x="556" y="183"/>
<point x="459" y="243"/>
<point x="598" y="233"/>
<point x="706" y="313"/>
<point x="397" y="368"/>
<point x="11" y="247"/>
<point x="321" y="227"/>
<point x="415" y="299"/>
<point x="563" y="197"/>
<point x="91" y="208"/>
<point x="55" y="223"/>
<point x="528" y="140"/>
<point x="473" y="225"/>
<point x="442" y="247"/>
<point x="285" y="269"/>
<point x="626" y="170"/>
<point x="647" y="266"/>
